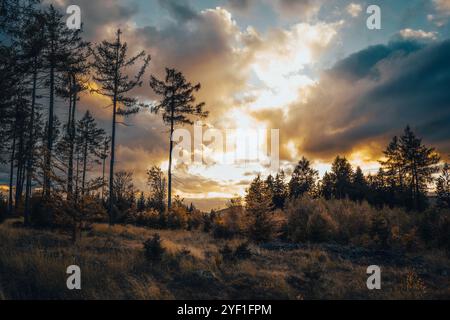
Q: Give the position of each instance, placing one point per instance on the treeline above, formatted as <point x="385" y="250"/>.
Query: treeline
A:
<point x="389" y="209"/>
<point x="407" y="172"/>
<point x="45" y="70"/>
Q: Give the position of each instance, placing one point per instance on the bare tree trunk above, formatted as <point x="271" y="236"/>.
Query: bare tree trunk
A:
<point x="113" y="137"/>
<point x="48" y="159"/>
<point x="111" y="166"/>
<point x="103" y="178"/>
<point x="11" y="174"/>
<point x="169" y="191"/>
<point x="71" y="141"/>
<point x="84" y="167"/>
<point x="30" y="150"/>
<point x="20" y="172"/>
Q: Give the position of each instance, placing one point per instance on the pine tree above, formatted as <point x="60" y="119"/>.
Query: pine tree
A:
<point x="443" y="187"/>
<point x="75" y="79"/>
<point x="303" y="179"/>
<point x="359" y="186"/>
<point x="110" y="65"/>
<point x="103" y="156"/>
<point x="280" y="191"/>
<point x="419" y="164"/>
<point x="60" y="43"/>
<point x="176" y="105"/>
<point x="258" y="206"/>
<point x="158" y="189"/>
<point x="327" y="186"/>
<point x="270" y="183"/>
<point x="32" y="43"/>
<point x="341" y="174"/>
<point x="90" y="139"/>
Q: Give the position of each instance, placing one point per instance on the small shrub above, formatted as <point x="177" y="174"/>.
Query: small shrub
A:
<point x="153" y="248"/>
<point x="177" y="218"/>
<point x="309" y="220"/>
<point x="150" y="219"/>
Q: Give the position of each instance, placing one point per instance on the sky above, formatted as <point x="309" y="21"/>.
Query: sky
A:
<point x="309" y="68"/>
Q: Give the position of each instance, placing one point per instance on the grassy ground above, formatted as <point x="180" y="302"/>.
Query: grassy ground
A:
<point x="33" y="266"/>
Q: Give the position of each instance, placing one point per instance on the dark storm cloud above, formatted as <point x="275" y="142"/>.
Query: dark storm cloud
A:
<point x="372" y="95"/>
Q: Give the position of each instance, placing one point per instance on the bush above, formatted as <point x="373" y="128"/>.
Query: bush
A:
<point x="150" y="218"/>
<point x="195" y="219"/>
<point x="177" y="218"/>
<point x="309" y="220"/>
<point x="353" y="219"/>
<point x="153" y="248"/>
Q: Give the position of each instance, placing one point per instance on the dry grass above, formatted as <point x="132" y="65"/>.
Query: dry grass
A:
<point x="33" y="266"/>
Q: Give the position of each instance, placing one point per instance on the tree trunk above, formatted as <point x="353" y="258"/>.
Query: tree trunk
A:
<point x="30" y="149"/>
<point x="111" y="166"/>
<point x="48" y="158"/>
<point x="103" y="178"/>
<point x="113" y="136"/>
<point x="169" y="191"/>
<point x="20" y="171"/>
<point x="11" y="174"/>
<point x="71" y="134"/>
<point x="84" y="167"/>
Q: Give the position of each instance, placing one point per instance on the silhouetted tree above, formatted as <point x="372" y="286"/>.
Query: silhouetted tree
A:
<point x="279" y="191"/>
<point x="141" y="205"/>
<point x="258" y="206"/>
<point x="303" y="179"/>
<point x="61" y="43"/>
<point x="359" y="186"/>
<point x="327" y="186"/>
<point x="110" y="65"/>
<point x="158" y="188"/>
<point x="419" y="163"/>
<point x="177" y="105"/>
<point x="103" y="156"/>
<point x="443" y="187"/>
<point x="89" y="139"/>
<point x="341" y="173"/>
<point x="124" y="191"/>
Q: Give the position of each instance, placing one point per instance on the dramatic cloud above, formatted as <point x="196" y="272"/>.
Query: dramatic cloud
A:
<point x="272" y="71"/>
<point x="369" y="96"/>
